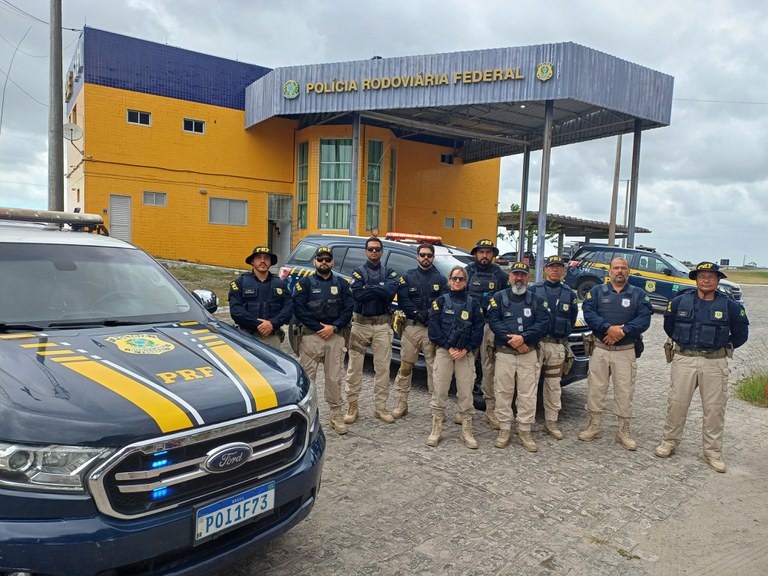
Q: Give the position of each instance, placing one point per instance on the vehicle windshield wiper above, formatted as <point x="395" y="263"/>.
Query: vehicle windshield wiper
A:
<point x="11" y="326"/>
<point x="94" y="322"/>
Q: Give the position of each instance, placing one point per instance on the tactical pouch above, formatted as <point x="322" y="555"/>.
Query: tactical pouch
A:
<point x="729" y="350"/>
<point x="398" y="322"/>
<point x="298" y="334"/>
<point x="281" y="334"/>
<point x="589" y="344"/>
<point x="568" y="362"/>
<point x="639" y="347"/>
<point x="669" y="350"/>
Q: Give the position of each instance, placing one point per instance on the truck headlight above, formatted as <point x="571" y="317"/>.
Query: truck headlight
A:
<point x="54" y="468"/>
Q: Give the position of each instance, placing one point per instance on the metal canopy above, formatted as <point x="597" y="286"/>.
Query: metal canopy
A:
<point x="568" y="225"/>
<point x="595" y="95"/>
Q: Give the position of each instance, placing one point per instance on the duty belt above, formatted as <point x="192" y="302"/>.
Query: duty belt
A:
<point x="553" y="340"/>
<point x="514" y="351"/>
<point x="381" y="319"/>
<point x="409" y="322"/>
<point x="708" y="354"/>
<point x="600" y="344"/>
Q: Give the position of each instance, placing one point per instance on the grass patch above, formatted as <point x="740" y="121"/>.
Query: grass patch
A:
<point x="752" y="389"/>
<point x="205" y="277"/>
<point x="748" y="276"/>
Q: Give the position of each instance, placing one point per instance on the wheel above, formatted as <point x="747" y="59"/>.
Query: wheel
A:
<point x="584" y="287"/>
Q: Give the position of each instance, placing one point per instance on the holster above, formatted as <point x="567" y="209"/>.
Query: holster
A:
<point x="589" y="344"/>
<point x="281" y="334"/>
<point x="570" y="357"/>
<point x="298" y="334"/>
<point x="729" y="350"/>
<point x="669" y="350"/>
<point x="639" y="347"/>
<point x="398" y="322"/>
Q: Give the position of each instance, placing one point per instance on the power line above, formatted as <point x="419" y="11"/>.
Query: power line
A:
<point x="720" y="101"/>
<point x="20" y="88"/>
<point x="23" y="13"/>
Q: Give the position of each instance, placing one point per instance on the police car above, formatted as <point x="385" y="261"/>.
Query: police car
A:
<point x="138" y="434"/>
<point x="660" y="275"/>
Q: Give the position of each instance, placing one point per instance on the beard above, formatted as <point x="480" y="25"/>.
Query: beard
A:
<point x="519" y="289"/>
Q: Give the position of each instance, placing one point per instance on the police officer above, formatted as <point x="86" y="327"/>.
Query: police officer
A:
<point x="519" y="319"/>
<point x="322" y="303"/>
<point x="456" y="328"/>
<point x="373" y="288"/>
<point x="553" y="346"/>
<point x="417" y="290"/>
<point x="259" y="301"/>
<point x="705" y="326"/>
<point x="618" y="313"/>
<point x="485" y="278"/>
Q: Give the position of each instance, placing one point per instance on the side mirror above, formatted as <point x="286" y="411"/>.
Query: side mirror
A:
<point x="208" y="299"/>
<point x="667" y="272"/>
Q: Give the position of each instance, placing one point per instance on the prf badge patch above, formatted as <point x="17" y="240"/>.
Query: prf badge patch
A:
<point x="650" y="286"/>
<point x="464" y="315"/>
<point x="718" y="315"/>
<point x="141" y="344"/>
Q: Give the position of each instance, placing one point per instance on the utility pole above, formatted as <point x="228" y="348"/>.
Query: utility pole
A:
<point x="615" y="194"/>
<point x="55" y="114"/>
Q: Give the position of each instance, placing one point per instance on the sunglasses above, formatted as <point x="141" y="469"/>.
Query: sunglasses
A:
<point x="373" y="249"/>
<point x="458" y="279"/>
<point x="324" y="259"/>
<point x="426" y="255"/>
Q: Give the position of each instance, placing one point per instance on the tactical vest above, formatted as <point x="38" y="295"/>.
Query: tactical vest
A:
<point x="257" y="305"/>
<point x="325" y="300"/>
<point x="374" y="307"/>
<point x="415" y="281"/>
<point x="560" y="319"/>
<point x="482" y="284"/>
<point x="710" y="333"/>
<point x="513" y="314"/>
<point x="611" y="306"/>
<point x="456" y="321"/>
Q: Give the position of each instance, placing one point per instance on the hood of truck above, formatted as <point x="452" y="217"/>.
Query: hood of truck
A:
<point x="111" y="386"/>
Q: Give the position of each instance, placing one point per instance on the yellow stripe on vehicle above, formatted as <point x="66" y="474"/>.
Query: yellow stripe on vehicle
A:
<point x="643" y="273"/>
<point x="63" y="359"/>
<point x="40" y="345"/>
<point x="263" y="394"/>
<point x="54" y="352"/>
<point x="201" y="331"/>
<point x="165" y="413"/>
<point x="17" y="336"/>
<point x="210" y="337"/>
<point x="190" y="323"/>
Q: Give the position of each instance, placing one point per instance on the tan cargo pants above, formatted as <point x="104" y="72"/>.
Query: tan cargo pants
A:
<point x="620" y="366"/>
<point x="521" y="371"/>
<point x="415" y="338"/>
<point x="313" y="350"/>
<point x="445" y="368"/>
<point x="552" y="356"/>
<point x="711" y="377"/>
<point x="379" y="338"/>
<point x="487" y="364"/>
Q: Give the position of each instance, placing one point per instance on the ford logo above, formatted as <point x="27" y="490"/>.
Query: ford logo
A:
<point x="228" y="457"/>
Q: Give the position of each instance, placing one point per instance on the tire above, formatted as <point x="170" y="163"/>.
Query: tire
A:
<point x="584" y="287"/>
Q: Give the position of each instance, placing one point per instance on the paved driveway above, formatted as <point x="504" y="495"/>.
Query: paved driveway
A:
<point x="391" y="505"/>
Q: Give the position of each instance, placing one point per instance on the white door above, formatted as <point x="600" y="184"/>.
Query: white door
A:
<point x="120" y="217"/>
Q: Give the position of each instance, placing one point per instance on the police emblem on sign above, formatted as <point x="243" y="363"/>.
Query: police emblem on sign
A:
<point x="626" y="302"/>
<point x="291" y="90"/>
<point x="544" y="71"/>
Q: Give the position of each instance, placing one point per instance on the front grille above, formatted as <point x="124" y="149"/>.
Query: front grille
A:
<point x="167" y="472"/>
<point x="576" y="341"/>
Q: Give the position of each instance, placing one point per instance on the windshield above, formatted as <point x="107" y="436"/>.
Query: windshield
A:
<point x="43" y="284"/>
<point x="679" y="266"/>
<point x="444" y="262"/>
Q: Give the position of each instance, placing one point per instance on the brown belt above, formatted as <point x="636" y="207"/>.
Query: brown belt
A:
<point x="600" y="344"/>
<point x="552" y="340"/>
<point x="708" y="354"/>
<point x="514" y="351"/>
<point x="381" y="319"/>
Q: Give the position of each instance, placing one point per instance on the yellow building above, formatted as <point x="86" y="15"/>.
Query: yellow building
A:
<point x="168" y="159"/>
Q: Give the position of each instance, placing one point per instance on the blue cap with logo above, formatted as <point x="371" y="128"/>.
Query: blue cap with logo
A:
<point x="520" y="267"/>
<point x="554" y="261"/>
<point x="706" y="267"/>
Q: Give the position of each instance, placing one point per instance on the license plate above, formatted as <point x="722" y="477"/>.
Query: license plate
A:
<point x="230" y="512"/>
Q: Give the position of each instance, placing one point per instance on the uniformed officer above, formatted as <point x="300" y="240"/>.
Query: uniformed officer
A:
<point x="553" y="346"/>
<point x="456" y="328"/>
<point x="322" y="303"/>
<point x="618" y="313"/>
<point x="485" y="278"/>
<point x="518" y="319"/>
<point x="373" y="288"/>
<point x="417" y="290"/>
<point x="705" y="326"/>
<point x="259" y="301"/>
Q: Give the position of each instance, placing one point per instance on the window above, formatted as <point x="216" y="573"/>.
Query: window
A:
<point x="154" y="198"/>
<point x="302" y="185"/>
<point x="228" y="211"/>
<point x="373" y="198"/>
<point x="196" y="126"/>
<point x="392" y="174"/>
<point x="466" y="223"/>
<point x="355" y="257"/>
<point x="450" y="222"/>
<point x="335" y="183"/>
<point x="142" y="118"/>
<point x="401" y="263"/>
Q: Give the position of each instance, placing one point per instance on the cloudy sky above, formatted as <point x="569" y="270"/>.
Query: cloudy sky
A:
<point x="703" y="185"/>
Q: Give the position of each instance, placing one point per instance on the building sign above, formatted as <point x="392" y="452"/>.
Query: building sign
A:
<point x="420" y="80"/>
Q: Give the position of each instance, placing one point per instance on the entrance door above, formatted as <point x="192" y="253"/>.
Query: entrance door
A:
<point x="279" y="219"/>
<point x="120" y="216"/>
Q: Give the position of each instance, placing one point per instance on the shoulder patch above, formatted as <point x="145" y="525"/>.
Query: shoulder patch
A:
<point x="356" y="274"/>
<point x="233" y="286"/>
<point x="589" y="295"/>
<point x="492" y="303"/>
<point x="669" y="306"/>
<point x="545" y="304"/>
<point x="298" y="287"/>
<point x="393" y="274"/>
<point x="743" y="312"/>
<point x="434" y="305"/>
<point x="647" y="298"/>
<point x="402" y="280"/>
